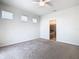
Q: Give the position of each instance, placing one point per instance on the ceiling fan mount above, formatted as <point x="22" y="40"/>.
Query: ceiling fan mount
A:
<point x="43" y="3"/>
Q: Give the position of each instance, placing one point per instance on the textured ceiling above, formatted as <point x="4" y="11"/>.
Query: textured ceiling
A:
<point x="36" y="9"/>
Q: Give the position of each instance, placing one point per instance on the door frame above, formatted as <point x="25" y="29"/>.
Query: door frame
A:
<point x="53" y="19"/>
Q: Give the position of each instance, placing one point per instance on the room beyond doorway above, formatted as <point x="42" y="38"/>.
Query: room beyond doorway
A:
<point x="52" y="34"/>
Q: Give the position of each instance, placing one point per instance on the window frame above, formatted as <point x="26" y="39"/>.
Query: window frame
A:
<point x="8" y="12"/>
<point x="23" y="18"/>
<point x="35" y="20"/>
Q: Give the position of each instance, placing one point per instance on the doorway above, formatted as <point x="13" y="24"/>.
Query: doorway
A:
<point x="52" y="29"/>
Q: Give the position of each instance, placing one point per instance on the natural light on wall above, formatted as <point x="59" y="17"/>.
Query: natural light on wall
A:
<point x="34" y="20"/>
<point x="24" y="18"/>
<point x="6" y="15"/>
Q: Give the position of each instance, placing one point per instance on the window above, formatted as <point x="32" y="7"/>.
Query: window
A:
<point x="24" y="18"/>
<point x="7" y="15"/>
<point x="34" y="20"/>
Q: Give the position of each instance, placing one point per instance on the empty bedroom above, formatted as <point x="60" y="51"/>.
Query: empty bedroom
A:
<point x="39" y="29"/>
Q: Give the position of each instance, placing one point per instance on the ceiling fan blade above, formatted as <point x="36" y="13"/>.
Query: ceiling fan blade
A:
<point x="41" y="1"/>
<point x="49" y="3"/>
<point x="46" y="0"/>
<point x="35" y="2"/>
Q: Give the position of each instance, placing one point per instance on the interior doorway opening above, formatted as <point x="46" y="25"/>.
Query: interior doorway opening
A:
<point x="53" y="29"/>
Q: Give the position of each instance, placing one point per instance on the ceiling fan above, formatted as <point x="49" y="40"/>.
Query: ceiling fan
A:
<point x="43" y="3"/>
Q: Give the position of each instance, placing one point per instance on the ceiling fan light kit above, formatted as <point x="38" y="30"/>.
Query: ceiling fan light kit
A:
<point x="42" y="3"/>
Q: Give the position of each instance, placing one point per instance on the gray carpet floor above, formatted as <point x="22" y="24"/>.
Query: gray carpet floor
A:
<point x="40" y="49"/>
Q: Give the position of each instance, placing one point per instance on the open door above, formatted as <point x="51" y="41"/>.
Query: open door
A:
<point x="52" y="29"/>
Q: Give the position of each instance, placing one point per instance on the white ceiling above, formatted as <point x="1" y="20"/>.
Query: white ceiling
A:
<point x="36" y="9"/>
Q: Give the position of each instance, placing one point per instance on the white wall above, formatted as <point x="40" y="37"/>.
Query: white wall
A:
<point x="67" y="25"/>
<point x="15" y="31"/>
